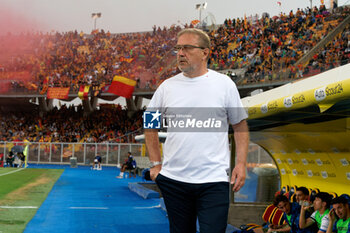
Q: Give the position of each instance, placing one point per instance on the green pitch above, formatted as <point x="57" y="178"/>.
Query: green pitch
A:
<point x="21" y="193"/>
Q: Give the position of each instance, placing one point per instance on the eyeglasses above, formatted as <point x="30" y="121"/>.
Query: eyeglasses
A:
<point x="186" y="47"/>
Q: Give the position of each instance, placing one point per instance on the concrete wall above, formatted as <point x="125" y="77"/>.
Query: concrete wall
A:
<point x="240" y="213"/>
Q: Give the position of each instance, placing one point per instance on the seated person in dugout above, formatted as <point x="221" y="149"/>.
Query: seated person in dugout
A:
<point x="129" y="164"/>
<point x="19" y="159"/>
<point x="22" y="158"/>
<point x="97" y="163"/>
<point x="291" y="216"/>
<point x="320" y="215"/>
<point x="302" y="195"/>
<point x="339" y="216"/>
<point x="10" y="159"/>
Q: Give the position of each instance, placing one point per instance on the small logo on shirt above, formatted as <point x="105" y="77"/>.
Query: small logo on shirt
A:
<point x="152" y="120"/>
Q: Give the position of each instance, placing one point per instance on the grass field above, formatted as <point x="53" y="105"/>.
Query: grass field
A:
<point x="22" y="191"/>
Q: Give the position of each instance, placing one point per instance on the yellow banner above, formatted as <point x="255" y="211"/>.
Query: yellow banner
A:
<point x="324" y="96"/>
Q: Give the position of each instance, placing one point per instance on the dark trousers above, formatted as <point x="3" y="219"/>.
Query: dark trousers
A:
<point x="185" y="202"/>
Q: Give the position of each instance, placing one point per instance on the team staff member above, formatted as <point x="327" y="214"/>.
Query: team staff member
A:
<point x="194" y="175"/>
<point x="129" y="164"/>
<point x="97" y="163"/>
<point x="342" y="210"/>
<point x="302" y="195"/>
<point x="320" y="216"/>
<point x="291" y="214"/>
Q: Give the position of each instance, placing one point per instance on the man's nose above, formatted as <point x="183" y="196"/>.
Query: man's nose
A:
<point x="180" y="52"/>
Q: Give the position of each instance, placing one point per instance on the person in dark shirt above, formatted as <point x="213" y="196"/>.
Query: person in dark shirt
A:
<point x="97" y="163"/>
<point x="129" y="164"/>
<point x="10" y="158"/>
<point x="339" y="216"/>
<point x="291" y="216"/>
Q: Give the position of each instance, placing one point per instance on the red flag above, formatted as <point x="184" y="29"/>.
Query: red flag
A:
<point x="40" y="124"/>
<point x="122" y="86"/>
<point x="46" y="80"/>
<point x="4" y="86"/>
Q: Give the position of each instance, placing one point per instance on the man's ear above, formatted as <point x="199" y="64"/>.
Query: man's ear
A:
<point x="206" y="53"/>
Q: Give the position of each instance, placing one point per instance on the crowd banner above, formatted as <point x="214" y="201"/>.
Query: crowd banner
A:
<point x="57" y="92"/>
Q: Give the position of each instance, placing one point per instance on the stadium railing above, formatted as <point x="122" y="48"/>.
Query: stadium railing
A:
<point x="112" y="153"/>
<point x="60" y="153"/>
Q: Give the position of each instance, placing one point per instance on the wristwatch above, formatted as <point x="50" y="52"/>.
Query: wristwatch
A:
<point x="155" y="163"/>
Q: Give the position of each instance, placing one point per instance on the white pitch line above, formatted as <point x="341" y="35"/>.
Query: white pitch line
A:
<point x="18" y="207"/>
<point x="17" y="170"/>
<point x="148" y="207"/>
<point x="89" y="208"/>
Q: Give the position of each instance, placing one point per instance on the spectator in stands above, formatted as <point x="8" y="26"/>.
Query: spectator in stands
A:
<point x="339" y="216"/>
<point x="129" y="164"/>
<point x="320" y="215"/>
<point x="97" y="163"/>
<point x="291" y="216"/>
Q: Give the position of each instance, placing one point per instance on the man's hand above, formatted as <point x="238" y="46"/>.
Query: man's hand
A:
<point x="305" y="207"/>
<point x="331" y="216"/>
<point x="154" y="171"/>
<point x="238" y="177"/>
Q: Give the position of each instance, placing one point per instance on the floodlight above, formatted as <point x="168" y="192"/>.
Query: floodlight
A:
<point x="95" y="16"/>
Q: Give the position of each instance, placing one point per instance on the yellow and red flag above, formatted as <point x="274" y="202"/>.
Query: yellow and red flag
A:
<point x="195" y="22"/>
<point x="84" y="92"/>
<point x="122" y="86"/>
<point x="128" y="60"/>
<point x="45" y="85"/>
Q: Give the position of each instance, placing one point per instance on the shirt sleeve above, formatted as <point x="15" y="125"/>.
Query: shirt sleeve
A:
<point x="313" y="216"/>
<point x="235" y="110"/>
<point x="324" y="223"/>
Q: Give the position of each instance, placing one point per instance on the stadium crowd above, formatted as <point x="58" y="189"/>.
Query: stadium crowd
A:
<point x="267" y="47"/>
<point x="72" y="59"/>
<point x="69" y="124"/>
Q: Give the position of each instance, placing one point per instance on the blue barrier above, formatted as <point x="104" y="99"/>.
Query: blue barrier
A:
<point x="142" y="191"/>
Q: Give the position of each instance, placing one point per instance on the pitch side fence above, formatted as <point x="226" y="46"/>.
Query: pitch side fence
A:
<point x="111" y="153"/>
<point x="60" y="153"/>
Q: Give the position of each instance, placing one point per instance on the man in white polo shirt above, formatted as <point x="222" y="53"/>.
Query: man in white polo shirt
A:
<point x="194" y="176"/>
